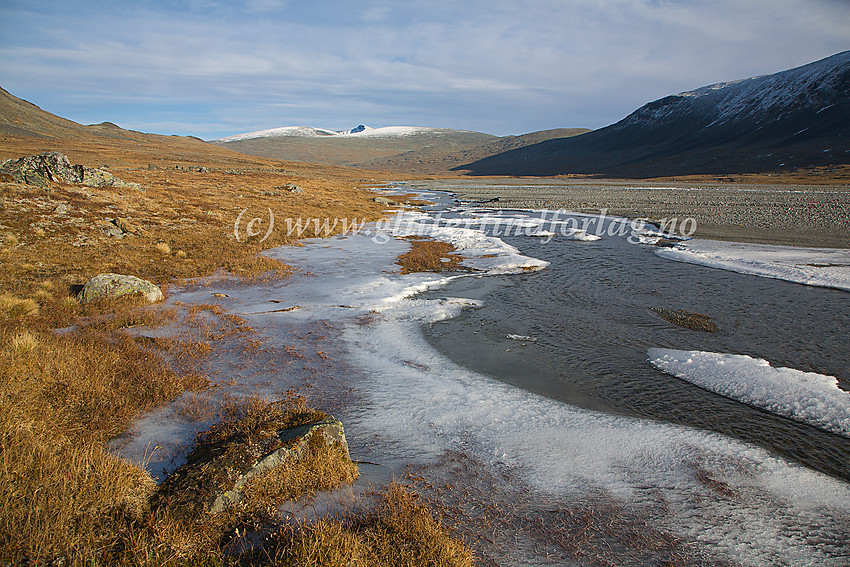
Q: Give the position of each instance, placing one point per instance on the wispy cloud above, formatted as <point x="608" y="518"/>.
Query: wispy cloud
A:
<point x="498" y="66"/>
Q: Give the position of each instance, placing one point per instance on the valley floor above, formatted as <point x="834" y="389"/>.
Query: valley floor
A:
<point x="796" y="215"/>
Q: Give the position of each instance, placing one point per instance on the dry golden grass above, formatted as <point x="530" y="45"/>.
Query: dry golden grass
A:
<point x="13" y="307"/>
<point x="401" y="532"/>
<point x="323" y="466"/>
<point x="430" y="256"/>
<point x="61" y="399"/>
<point x="184" y="222"/>
<point x="254" y="417"/>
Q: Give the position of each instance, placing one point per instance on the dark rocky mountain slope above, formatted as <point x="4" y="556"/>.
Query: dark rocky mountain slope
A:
<point x="795" y="118"/>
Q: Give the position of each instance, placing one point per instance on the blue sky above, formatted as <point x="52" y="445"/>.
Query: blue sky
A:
<point x="209" y="69"/>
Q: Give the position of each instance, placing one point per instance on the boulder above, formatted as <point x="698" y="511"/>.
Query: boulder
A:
<point x="55" y="166"/>
<point x="119" y="184"/>
<point x="213" y="477"/>
<point x="40" y="168"/>
<point x="127" y="227"/>
<point x="112" y="286"/>
<point x="109" y="228"/>
<point x="292" y="188"/>
<point x="96" y="178"/>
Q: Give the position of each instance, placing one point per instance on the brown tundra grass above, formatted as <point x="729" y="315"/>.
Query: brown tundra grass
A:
<point x="427" y="255"/>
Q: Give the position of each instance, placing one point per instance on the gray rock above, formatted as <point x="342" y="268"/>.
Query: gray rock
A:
<point x="119" y="184"/>
<point x="61" y="209"/>
<point x="96" y="178"/>
<point x="126" y="226"/>
<point x="109" y="228"/>
<point x="39" y="169"/>
<point x="292" y="188"/>
<point x="111" y="286"/>
<point x="332" y="430"/>
<point x="55" y="166"/>
<point x="213" y="478"/>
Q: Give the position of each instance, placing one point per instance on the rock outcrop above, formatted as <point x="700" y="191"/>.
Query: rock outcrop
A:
<point x="214" y="475"/>
<point x="38" y="169"/>
<point x="112" y="286"/>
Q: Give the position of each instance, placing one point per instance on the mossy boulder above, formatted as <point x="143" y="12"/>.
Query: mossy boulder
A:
<point x="113" y="286"/>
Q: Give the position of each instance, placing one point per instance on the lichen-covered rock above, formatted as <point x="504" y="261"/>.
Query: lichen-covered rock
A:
<point x="55" y="166"/>
<point x="119" y="184"/>
<point x="40" y="168"/>
<point x="112" y="286"/>
<point x="213" y="478"/>
<point x="97" y="178"/>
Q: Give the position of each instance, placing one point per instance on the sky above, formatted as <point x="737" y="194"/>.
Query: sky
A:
<point x="212" y="68"/>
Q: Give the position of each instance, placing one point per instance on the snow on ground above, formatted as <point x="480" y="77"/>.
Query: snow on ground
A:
<point x="304" y="131"/>
<point x="825" y="267"/>
<point x="310" y="132"/>
<point x="481" y="252"/>
<point x="812" y="398"/>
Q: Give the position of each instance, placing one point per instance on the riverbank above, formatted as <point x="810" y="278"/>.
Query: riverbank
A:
<point x="792" y="215"/>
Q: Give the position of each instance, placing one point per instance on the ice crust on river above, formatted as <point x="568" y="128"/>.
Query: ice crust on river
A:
<point x="824" y="267"/>
<point x="812" y="398"/>
<point x="413" y="404"/>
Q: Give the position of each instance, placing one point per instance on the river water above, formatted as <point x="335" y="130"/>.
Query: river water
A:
<point x="591" y="315"/>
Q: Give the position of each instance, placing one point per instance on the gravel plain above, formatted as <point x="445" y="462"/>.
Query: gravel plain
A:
<point x="797" y="215"/>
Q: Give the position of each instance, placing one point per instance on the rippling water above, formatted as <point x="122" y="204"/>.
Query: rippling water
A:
<point x="591" y="313"/>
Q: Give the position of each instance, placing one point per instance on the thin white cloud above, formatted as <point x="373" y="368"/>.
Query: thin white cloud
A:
<point x="509" y="66"/>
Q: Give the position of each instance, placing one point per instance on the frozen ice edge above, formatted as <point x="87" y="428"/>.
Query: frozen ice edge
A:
<point x="823" y="267"/>
<point x="809" y="397"/>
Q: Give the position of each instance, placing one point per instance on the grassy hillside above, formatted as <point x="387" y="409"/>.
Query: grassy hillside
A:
<point x="354" y="150"/>
<point x="440" y="160"/>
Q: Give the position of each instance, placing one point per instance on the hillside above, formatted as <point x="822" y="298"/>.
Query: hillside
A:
<point x="27" y="129"/>
<point x="190" y="194"/>
<point x="435" y="160"/>
<point x="357" y="147"/>
<point x="780" y="122"/>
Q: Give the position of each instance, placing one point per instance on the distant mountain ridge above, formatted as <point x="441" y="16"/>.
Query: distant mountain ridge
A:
<point x="358" y="147"/>
<point x="793" y="118"/>
<point x="411" y="149"/>
<point x="26" y="127"/>
<point x="435" y="160"/>
<point x="360" y="131"/>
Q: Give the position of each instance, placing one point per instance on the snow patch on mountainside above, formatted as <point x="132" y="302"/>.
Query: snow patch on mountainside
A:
<point x="816" y="85"/>
<point x="799" y="86"/>
<point x="358" y="132"/>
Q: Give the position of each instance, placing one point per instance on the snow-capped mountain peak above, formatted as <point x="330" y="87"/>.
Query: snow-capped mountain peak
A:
<point x="308" y="131"/>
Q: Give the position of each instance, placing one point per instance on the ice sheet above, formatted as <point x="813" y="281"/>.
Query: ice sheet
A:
<point x="805" y="396"/>
<point x="825" y="267"/>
